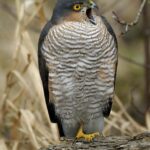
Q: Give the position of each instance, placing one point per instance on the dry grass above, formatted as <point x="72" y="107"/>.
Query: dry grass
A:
<point x="121" y="120"/>
<point x="24" y="119"/>
<point x="24" y="122"/>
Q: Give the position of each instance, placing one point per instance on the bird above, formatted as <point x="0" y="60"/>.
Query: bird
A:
<point x="77" y="58"/>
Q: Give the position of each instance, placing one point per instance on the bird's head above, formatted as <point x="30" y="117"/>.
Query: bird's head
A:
<point x="74" y="10"/>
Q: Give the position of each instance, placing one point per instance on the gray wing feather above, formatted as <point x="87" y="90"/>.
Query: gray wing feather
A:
<point x="108" y="106"/>
<point x="44" y="77"/>
<point x="110" y="29"/>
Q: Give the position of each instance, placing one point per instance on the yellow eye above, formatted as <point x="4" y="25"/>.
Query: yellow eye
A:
<point x="77" y="7"/>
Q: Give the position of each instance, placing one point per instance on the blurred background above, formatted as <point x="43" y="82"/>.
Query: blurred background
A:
<point x="24" y="121"/>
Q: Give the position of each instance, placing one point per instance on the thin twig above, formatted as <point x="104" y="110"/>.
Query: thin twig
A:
<point x="29" y="59"/>
<point x="133" y="62"/>
<point x="130" y="24"/>
<point x="34" y="14"/>
<point x="134" y="123"/>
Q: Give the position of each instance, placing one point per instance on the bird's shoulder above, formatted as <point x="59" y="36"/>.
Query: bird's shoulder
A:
<point x="44" y="33"/>
<point x="109" y="28"/>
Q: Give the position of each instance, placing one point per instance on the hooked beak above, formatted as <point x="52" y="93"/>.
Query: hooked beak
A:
<point x="91" y="5"/>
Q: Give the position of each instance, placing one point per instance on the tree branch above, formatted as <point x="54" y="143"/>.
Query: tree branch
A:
<point x="134" y="62"/>
<point x="139" y="142"/>
<point x="127" y="25"/>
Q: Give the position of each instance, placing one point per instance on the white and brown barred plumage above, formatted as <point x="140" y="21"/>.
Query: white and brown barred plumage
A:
<point x="77" y="61"/>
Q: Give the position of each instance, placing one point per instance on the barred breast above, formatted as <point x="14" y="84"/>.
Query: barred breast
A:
<point x="80" y="57"/>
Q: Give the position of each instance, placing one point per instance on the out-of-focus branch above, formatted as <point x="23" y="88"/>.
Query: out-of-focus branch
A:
<point x="4" y="5"/>
<point x="134" y="62"/>
<point x="39" y="6"/>
<point x="127" y="25"/>
<point x="140" y="141"/>
<point x="146" y="31"/>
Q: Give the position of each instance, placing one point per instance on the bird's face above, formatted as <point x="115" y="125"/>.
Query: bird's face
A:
<point x="74" y="10"/>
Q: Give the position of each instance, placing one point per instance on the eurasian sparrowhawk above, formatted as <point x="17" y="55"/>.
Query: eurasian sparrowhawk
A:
<point x="77" y="56"/>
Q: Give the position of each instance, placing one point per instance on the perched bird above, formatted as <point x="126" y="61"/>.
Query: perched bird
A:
<point x="77" y="56"/>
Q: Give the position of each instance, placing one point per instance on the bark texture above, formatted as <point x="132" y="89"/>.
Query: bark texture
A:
<point x="138" y="142"/>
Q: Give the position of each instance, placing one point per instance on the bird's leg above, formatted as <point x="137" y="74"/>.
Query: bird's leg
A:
<point x="87" y="137"/>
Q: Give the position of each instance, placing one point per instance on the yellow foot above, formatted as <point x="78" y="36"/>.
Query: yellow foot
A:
<point x="87" y="137"/>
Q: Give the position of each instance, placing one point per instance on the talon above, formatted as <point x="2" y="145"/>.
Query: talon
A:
<point x="87" y="137"/>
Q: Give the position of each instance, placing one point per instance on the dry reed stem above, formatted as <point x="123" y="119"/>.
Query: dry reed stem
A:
<point x="27" y="122"/>
<point x="23" y="95"/>
<point x="123" y="122"/>
<point x="148" y="120"/>
<point x="3" y="145"/>
<point x="135" y="124"/>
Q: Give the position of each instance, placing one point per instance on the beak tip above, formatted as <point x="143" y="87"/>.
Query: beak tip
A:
<point x="93" y="5"/>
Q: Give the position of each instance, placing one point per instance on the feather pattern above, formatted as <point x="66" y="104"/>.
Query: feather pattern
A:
<point x="81" y="59"/>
